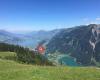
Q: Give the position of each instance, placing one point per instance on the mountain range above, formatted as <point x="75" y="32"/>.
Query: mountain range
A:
<point x="81" y="43"/>
<point x="29" y="40"/>
<point x="8" y="37"/>
<point x="76" y="46"/>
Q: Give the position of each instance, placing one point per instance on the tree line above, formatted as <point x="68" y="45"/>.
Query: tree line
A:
<point x="25" y="55"/>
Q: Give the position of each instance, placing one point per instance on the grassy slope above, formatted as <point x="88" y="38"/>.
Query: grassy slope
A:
<point x="8" y="55"/>
<point x="11" y="70"/>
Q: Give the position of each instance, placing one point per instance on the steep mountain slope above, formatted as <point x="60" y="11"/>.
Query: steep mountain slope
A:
<point x="82" y="43"/>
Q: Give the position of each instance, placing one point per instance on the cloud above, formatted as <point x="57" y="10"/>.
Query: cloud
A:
<point x="98" y="19"/>
<point x="85" y="19"/>
<point x="91" y="21"/>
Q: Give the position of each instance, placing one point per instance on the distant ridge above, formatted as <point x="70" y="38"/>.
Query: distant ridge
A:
<point x="29" y="40"/>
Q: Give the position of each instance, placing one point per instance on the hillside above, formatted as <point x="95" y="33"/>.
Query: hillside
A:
<point x="81" y="42"/>
<point x="23" y="55"/>
<point x="11" y="70"/>
<point x="8" y="37"/>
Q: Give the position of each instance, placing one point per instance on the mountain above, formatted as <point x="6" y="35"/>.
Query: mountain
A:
<point x="29" y="40"/>
<point x="42" y="34"/>
<point x="35" y="37"/>
<point x="8" y="37"/>
<point x="81" y="43"/>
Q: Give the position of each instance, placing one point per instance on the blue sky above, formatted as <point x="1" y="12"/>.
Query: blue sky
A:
<point x="30" y="15"/>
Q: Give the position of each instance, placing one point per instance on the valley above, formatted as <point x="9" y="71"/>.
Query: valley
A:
<point x="63" y="46"/>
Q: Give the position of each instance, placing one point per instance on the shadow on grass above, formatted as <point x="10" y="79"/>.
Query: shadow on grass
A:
<point x="9" y="58"/>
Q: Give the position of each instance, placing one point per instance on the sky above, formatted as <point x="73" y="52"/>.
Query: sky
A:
<point x="30" y="15"/>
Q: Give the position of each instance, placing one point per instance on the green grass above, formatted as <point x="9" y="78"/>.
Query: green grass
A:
<point x="8" y="55"/>
<point x="11" y="70"/>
